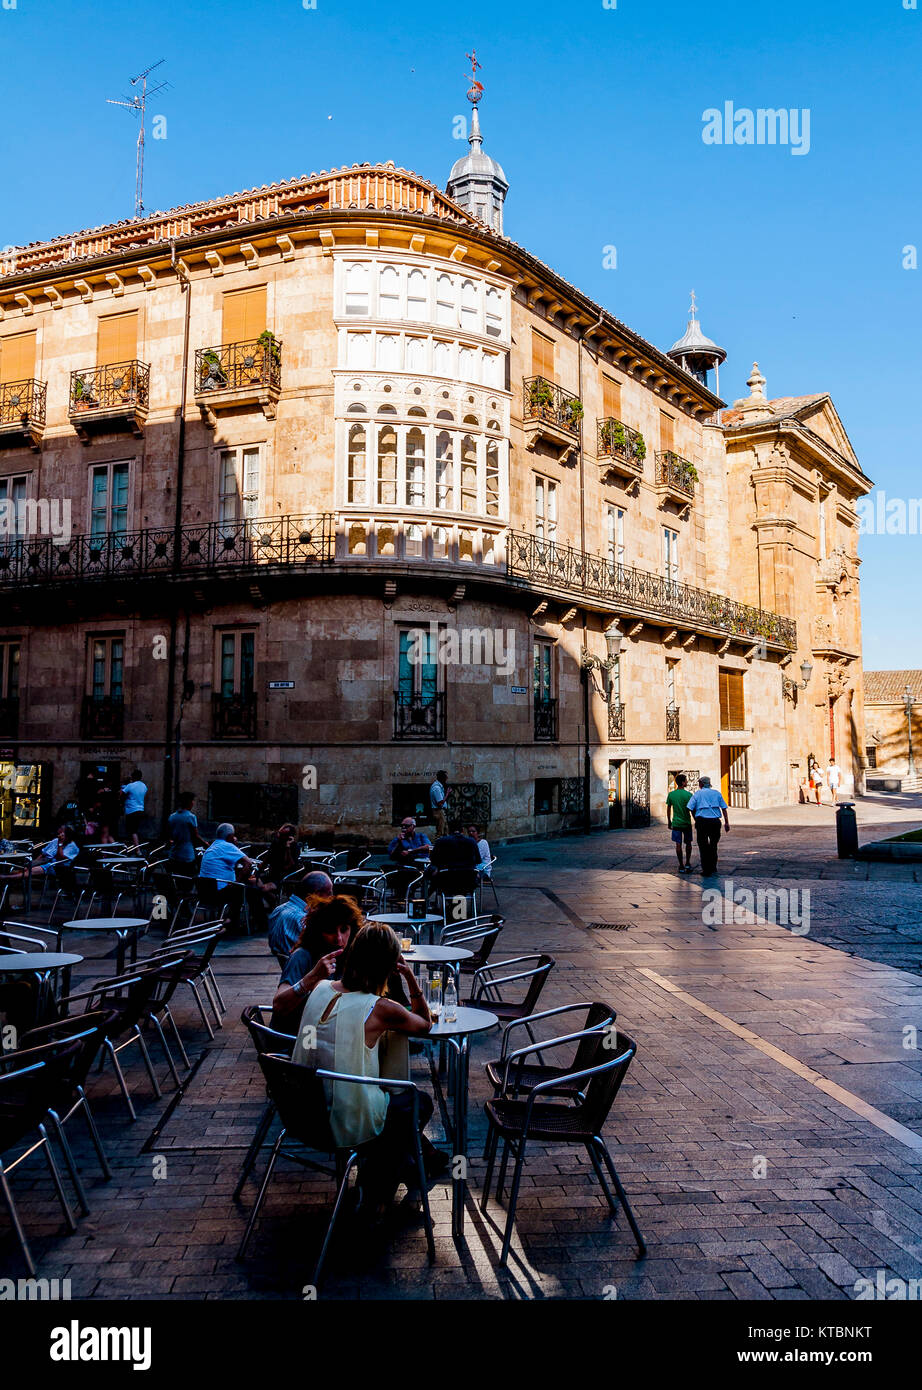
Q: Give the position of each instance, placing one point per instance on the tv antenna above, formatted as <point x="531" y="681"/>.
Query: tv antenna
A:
<point x="138" y="105"/>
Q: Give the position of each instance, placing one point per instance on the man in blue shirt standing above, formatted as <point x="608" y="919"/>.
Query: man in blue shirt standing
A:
<point x="707" y="806"/>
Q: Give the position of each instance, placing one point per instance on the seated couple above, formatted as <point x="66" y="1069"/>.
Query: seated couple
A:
<point x="353" y="1004"/>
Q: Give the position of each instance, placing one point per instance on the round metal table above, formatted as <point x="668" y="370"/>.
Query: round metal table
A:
<point x="403" y="919"/>
<point x="122" y="926"/>
<point x="435" y="955"/>
<point x="42" y="964"/>
<point x="457" y="1035"/>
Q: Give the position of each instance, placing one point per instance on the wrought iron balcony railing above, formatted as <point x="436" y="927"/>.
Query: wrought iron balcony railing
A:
<point x="547" y="402"/>
<point x="672" y="471"/>
<point x="545" y="720"/>
<point x="286" y="542"/>
<point x="235" y="366"/>
<point x="419" y="716"/>
<point x="561" y="567"/>
<point x="9" y="717"/>
<point x="673" y="734"/>
<point x="22" y="403"/>
<point x="618" y="443"/>
<point x="102" y="717"/>
<point x="233" y="716"/>
<point x="616" y="722"/>
<point x="121" y="384"/>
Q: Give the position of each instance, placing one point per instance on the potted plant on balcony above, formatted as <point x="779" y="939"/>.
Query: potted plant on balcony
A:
<point x="271" y="349"/>
<point x="640" y="448"/>
<point x="84" y="396"/>
<point x="211" y="373"/>
<point x="613" y="437"/>
<point x="573" y="413"/>
<point x="541" y="398"/>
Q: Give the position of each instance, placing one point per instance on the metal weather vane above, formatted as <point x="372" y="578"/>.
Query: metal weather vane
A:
<point x="475" y="91"/>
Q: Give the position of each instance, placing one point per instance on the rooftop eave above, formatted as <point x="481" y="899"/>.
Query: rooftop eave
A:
<point x="829" y="458"/>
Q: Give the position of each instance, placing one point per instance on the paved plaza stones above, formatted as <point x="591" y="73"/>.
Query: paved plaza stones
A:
<point x="767" y="1134"/>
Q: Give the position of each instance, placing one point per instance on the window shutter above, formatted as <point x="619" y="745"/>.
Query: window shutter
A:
<point x="542" y="355"/>
<point x="732" y="707"/>
<point x="117" y="339"/>
<point x="17" y="357"/>
<point x="611" y="398"/>
<point x="666" y="434"/>
<point x="244" y="315"/>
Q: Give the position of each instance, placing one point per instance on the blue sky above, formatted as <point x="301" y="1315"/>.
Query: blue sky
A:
<point x="596" y="116"/>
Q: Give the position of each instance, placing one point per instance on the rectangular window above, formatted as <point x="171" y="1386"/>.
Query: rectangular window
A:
<point x="107" y="667"/>
<point x="17" y="357"/>
<point x="615" y="522"/>
<point x="671" y="555"/>
<point x="244" y="315"/>
<point x="387" y="466"/>
<point x="237" y="663"/>
<point x="238" y="495"/>
<point x="444" y="470"/>
<point x="445" y="310"/>
<point x="9" y="670"/>
<point x="611" y="398"/>
<point x="543" y="670"/>
<point x="545" y="508"/>
<point x="732" y="706"/>
<point x="417" y="666"/>
<point x="492" y="478"/>
<point x="494" y="314"/>
<point x="542" y="355"/>
<point x="666" y="431"/>
<point x="672" y="669"/>
<point x="109" y="499"/>
<point x="13" y="489"/>
<point x="355" y="483"/>
<point x="547" y="793"/>
<point x="117" y="339"/>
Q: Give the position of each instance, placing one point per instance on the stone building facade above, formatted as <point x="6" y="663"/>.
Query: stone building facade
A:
<point x="893" y="728"/>
<point x="357" y="489"/>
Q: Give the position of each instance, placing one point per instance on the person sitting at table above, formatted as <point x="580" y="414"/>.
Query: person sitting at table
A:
<point x="288" y="920"/>
<point x="233" y="875"/>
<point x="283" y="856"/>
<point x="485" y="867"/>
<point x="57" y="854"/>
<point x="453" y="866"/>
<point x="406" y="849"/>
<point x="342" y="1027"/>
<point x="326" y="931"/>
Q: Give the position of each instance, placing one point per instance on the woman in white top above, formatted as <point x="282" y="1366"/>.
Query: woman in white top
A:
<point x="342" y="1027"/>
<point x="485" y="866"/>
<point x="62" y="850"/>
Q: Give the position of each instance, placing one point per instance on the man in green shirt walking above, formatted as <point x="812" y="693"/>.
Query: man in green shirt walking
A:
<point x="680" y="822"/>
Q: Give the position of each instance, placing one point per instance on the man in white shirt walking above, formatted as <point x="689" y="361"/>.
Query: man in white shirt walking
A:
<point x="133" y="794"/>
<point x="438" y="799"/>
<point x="707" y="806"/>
<point x="833" y="778"/>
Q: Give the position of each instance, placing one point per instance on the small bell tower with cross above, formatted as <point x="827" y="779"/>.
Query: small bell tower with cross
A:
<point x="477" y="182"/>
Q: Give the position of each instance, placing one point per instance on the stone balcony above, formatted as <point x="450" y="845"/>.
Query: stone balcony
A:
<point x="552" y="416"/>
<point x="22" y="413"/>
<point x="110" y="399"/>
<point x="675" y="478"/>
<point x="620" y="450"/>
<point x="239" y="376"/>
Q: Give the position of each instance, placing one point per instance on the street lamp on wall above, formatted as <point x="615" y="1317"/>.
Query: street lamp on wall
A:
<point x="790" y="688"/>
<point x="908" y="701"/>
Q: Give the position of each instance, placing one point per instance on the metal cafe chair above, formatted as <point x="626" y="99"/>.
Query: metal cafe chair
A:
<point x="486" y="881"/>
<point x="510" y="1073"/>
<point x="89" y="1030"/>
<point x="477" y="934"/>
<point x="486" y="984"/>
<point x="299" y="1096"/>
<point x="519" y="1120"/>
<point x="265" y="1040"/>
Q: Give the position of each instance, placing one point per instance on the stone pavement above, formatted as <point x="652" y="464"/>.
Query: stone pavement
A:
<point x="768" y="1133"/>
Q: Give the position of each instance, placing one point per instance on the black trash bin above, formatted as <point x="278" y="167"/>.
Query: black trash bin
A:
<point x="846" y="830"/>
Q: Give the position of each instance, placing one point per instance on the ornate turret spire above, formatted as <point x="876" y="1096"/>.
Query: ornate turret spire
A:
<point x="695" y="353"/>
<point x="477" y="182"/>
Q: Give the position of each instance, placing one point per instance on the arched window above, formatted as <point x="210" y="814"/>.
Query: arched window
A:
<point x="439" y="543"/>
<point x="468" y="474"/>
<point x="466" y="545"/>
<point x="389" y="292"/>
<point x="386" y="493"/>
<point x="492" y="479"/>
<point x="417" y="412"/>
<point x="471" y="420"/>
<point x="444" y="470"/>
<point x="417" y="296"/>
<point x="387" y="409"/>
<point x="355" y="490"/>
<point x="358" y="350"/>
<point x="494" y="307"/>
<point x="387" y="358"/>
<point x="445" y="311"/>
<point x="416" y="469"/>
<point x="443" y="359"/>
<point x="358" y="281"/>
<point x="416" y="354"/>
<point x="444" y="415"/>
<point x="387" y="540"/>
<point x="414" y="540"/>
<point x="356" y="408"/>
<point x="470" y="307"/>
<point x="467" y="364"/>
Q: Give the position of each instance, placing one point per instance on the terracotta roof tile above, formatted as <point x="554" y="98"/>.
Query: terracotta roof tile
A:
<point x="886" y="687"/>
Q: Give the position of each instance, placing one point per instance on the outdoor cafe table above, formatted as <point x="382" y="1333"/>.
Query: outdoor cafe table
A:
<point x="42" y="964"/>
<point x="436" y="955"/>
<point x="403" y="919"/>
<point x="457" y="1035"/>
<point x="316" y="854"/>
<point x="123" y="927"/>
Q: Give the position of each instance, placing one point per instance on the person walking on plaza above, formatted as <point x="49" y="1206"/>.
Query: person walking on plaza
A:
<point x="818" y="783"/>
<point x="833" y="780"/>
<point x="133" y="794"/>
<point x="438" y="799"/>
<point x="679" y="821"/>
<point x="707" y="806"/>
